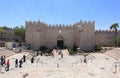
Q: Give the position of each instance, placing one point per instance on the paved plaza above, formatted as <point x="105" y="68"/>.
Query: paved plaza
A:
<point x="99" y="65"/>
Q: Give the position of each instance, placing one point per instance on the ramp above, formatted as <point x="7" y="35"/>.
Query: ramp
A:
<point x="115" y="53"/>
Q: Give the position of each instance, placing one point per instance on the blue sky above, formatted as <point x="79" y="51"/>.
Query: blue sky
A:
<point x="103" y="12"/>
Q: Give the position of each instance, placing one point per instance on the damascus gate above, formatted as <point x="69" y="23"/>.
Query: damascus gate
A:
<point x="41" y="34"/>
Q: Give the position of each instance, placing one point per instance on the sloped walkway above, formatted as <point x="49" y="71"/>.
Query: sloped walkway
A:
<point x="115" y="53"/>
<point x="6" y="52"/>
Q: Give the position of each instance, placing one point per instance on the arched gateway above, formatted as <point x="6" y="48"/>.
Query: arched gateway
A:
<point x="60" y="42"/>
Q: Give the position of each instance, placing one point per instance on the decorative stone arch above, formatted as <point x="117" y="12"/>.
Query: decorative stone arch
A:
<point x="60" y="37"/>
<point x="60" y="42"/>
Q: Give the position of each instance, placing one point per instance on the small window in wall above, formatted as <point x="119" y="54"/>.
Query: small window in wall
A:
<point x="60" y="31"/>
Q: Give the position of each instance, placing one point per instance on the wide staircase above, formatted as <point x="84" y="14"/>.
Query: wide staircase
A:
<point x="6" y="52"/>
<point x="115" y="53"/>
<point x="65" y="52"/>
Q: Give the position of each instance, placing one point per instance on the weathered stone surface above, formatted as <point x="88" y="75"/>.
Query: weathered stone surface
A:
<point x="81" y="34"/>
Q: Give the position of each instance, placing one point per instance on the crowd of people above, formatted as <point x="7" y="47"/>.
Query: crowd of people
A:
<point x="18" y="62"/>
<point x="6" y="63"/>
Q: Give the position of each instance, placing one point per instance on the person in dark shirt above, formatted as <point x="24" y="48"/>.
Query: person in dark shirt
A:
<point x="2" y="60"/>
<point x="32" y="59"/>
<point x="24" y="58"/>
<point x="20" y="63"/>
<point x="16" y="63"/>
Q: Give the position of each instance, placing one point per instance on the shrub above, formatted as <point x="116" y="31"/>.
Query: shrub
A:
<point x="43" y="49"/>
<point x="70" y="51"/>
<point x="118" y="41"/>
<point x="97" y="48"/>
<point x="74" y="47"/>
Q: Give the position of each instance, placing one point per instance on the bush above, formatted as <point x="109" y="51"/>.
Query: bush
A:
<point x="118" y="41"/>
<point x="97" y="48"/>
<point x="70" y="51"/>
<point x="74" y="47"/>
<point x="43" y="49"/>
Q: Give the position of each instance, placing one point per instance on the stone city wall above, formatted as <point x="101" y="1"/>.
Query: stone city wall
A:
<point x="81" y="33"/>
<point x="105" y="37"/>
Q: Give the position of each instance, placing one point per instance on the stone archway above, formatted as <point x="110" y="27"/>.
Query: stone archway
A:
<point x="60" y="42"/>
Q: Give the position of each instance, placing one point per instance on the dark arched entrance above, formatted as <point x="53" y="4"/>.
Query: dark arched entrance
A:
<point x="60" y="42"/>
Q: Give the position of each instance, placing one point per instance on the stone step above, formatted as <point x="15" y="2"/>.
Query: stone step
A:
<point x="64" y="52"/>
<point x="115" y="53"/>
<point x="6" y="53"/>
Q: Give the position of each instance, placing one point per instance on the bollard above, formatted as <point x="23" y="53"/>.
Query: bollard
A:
<point x="115" y="67"/>
<point x="91" y="60"/>
<point x="42" y="64"/>
<point x="72" y="65"/>
<point x="57" y="65"/>
<point x="81" y="62"/>
<point x="76" y="63"/>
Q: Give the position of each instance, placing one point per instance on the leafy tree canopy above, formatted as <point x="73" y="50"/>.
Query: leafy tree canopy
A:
<point x="2" y="31"/>
<point x="114" y="26"/>
<point x="20" y="31"/>
<point x="4" y="27"/>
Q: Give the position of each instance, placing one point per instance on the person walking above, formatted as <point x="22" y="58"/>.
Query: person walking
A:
<point x="41" y="53"/>
<point x="20" y="63"/>
<point x="32" y="59"/>
<point x="62" y="55"/>
<point x="85" y="60"/>
<point x="1" y="60"/>
<point x="52" y="55"/>
<point x="4" y="60"/>
<point x="20" y="50"/>
<point x="16" y="63"/>
<point x="38" y="53"/>
<point x="8" y="65"/>
<point x="24" y="58"/>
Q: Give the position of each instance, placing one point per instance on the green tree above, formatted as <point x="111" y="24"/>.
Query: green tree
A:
<point x="2" y="31"/>
<point x="114" y="27"/>
<point x="4" y="27"/>
<point x="20" y="32"/>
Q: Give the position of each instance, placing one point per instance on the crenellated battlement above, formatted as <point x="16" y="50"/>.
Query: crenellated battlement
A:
<point x="60" y="25"/>
<point x="105" y="31"/>
<point x="85" y="22"/>
<point x="35" y="22"/>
